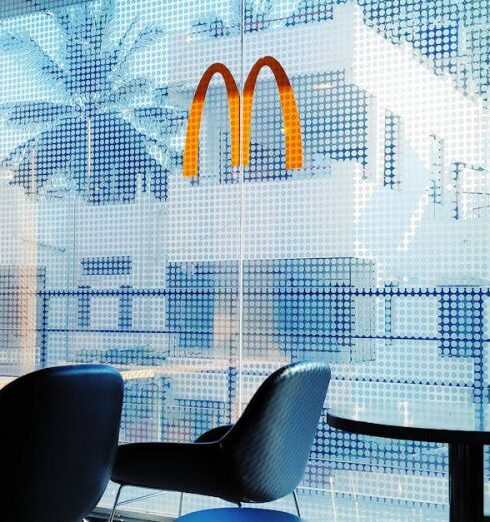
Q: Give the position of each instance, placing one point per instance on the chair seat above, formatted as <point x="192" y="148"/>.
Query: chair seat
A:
<point x="239" y="515"/>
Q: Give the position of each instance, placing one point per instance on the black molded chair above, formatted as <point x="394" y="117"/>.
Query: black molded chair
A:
<point x="260" y="459"/>
<point x="58" y="442"/>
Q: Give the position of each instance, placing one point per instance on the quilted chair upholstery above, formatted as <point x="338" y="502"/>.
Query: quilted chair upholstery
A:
<point x="260" y="459"/>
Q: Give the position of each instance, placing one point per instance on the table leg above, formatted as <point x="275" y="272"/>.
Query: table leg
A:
<point x="465" y="482"/>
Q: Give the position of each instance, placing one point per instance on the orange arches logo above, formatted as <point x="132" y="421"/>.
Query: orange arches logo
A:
<point x="240" y="148"/>
<point x="290" y="115"/>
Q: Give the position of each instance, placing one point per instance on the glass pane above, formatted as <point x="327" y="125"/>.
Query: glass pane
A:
<point x="373" y="255"/>
<point x="109" y="254"/>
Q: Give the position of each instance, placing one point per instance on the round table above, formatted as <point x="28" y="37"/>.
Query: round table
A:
<point x="465" y="427"/>
<point x="239" y="515"/>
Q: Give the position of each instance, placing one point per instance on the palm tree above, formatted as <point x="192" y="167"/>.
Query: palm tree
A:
<point x="109" y="129"/>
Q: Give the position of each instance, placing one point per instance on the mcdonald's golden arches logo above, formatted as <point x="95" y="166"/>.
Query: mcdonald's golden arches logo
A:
<point x="292" y="126"/>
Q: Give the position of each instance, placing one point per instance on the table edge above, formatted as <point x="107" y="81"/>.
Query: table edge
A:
<point x="407" y="432"/>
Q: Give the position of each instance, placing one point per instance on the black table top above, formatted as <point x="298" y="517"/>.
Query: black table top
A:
<point x="430" y="421"/>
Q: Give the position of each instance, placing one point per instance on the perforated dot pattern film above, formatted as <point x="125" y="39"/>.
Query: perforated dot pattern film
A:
<point x="374" y="256"/>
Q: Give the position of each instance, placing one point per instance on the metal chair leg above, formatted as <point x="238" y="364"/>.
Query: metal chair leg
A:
<point x="113" y="512"/>
<point x="296" y="503"/>
<point x="181" y="503"/>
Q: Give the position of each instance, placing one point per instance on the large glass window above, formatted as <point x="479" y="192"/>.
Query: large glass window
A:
<point x="374" y="256"/>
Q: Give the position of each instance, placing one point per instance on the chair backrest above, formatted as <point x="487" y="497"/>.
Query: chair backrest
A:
<point x="269" y="446"/>
<point x="58" y="442"/>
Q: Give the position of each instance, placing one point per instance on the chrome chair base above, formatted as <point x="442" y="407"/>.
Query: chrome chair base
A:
<point x="116" y="500"/>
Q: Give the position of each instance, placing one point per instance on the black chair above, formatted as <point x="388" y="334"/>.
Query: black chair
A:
<point x="260" y="459"/>
<point x="58" y="442"/>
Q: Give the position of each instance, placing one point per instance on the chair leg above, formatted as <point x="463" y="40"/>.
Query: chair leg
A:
<point x="113" y="512"/>
<point x="181" y="503"/>
<point x="296" y="503"/>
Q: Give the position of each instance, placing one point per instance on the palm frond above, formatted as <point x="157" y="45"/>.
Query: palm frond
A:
<point x="145" y="38"/>
<point x="106" y="15"/>
<point x="128" y="93"/>
<point x="34" y="113"/>
<point x="85" y="25"/>
<point x="62" y="17"/>
<point x="102" y="18"/>
<point x="17" y="165"/>
<point x="51" y="151"/>
<point x="118" y="48"/>
<point x="16" y="156"/>
<point x="81" y="19"/>
<point x="32" y="55"/>
<point x="162" y="121"/>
